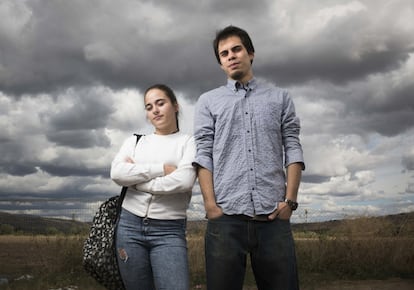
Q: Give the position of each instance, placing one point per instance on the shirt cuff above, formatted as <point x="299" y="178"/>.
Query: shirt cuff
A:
<point x="295" y="158"/>
<point x="203" y="162"/>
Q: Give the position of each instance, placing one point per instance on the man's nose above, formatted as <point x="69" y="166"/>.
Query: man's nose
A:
<point x="232" y="55"/>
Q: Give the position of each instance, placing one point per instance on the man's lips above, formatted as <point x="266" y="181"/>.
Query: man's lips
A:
<point x="234" y="65"/>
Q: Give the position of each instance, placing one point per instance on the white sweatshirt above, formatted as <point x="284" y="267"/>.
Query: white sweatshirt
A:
<point x="150" y="193"/>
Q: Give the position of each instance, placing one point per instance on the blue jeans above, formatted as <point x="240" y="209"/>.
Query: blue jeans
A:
<point x="152" y="254"/>
<point x="271" y="247"/>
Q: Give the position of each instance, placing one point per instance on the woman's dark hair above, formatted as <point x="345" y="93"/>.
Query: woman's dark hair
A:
<point x="233" y="31"/>
<point x="169" y="93"/>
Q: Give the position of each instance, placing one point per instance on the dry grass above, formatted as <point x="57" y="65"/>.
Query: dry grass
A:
<point x="44" y="262"/>
<point x="196" y="258"/>
<point x="357" y="249"/>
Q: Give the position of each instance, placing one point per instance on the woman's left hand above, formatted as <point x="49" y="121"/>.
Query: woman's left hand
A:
<point x="129" y="160"/>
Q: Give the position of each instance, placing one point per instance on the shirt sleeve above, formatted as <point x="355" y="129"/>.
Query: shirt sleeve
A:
<point x="290" y="133"/>
<point x="180" y="180"/>
<point x="204" y="135"/>
<point x="124" y="173"/>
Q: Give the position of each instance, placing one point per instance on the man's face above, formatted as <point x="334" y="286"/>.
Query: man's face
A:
<point x="235" y="60"/>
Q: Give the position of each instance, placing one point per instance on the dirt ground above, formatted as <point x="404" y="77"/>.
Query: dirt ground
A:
<point x="390" y="284"/>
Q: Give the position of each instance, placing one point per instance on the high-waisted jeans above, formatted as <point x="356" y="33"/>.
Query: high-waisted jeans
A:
<point x="271" y="247"/>
<point x="152" y="254"/>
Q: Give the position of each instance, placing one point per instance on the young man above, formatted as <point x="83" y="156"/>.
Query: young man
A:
<point x="249" y="160"/>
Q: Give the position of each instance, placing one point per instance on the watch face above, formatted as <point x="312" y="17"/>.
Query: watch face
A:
<point x="292" y="204"/>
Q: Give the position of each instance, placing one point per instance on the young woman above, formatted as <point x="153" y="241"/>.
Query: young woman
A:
<point x="151" y="243"/>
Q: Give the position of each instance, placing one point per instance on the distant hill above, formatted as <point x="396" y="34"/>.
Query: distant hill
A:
<point x="390" y="225"/>
<point x="398" y="224"/>
<point x="32" y="224"/>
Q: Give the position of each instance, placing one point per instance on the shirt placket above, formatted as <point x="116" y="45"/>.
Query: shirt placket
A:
<point x="247" y="114"/>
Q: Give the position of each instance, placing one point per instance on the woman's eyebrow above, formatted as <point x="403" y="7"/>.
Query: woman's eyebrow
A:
<point x="156" y="101"/>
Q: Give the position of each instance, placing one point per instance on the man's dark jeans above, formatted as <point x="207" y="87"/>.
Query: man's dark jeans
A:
<point x="271" y="247"/>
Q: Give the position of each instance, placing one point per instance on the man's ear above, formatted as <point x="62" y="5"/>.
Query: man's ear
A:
<point x="251" y="55"/>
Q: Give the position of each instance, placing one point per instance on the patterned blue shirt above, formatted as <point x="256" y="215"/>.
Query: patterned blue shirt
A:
<point x="246" y="136"/>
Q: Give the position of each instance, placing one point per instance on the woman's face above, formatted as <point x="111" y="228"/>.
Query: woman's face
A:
<point x="161" y="112"/>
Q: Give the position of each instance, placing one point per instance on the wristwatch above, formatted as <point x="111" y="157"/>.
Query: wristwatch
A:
<point x="292" y="204"/>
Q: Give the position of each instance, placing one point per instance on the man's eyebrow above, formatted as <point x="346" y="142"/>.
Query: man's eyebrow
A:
<point x="231" y="48"/>
<point x="236" y="46"/>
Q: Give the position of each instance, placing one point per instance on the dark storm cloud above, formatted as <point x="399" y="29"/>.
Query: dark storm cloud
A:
<point x="331" y="67"/>
<point x="383" y="106"/>
<point x="408" y="161"/>
<point x="17" y="169"/>
<point x="134" y="44"/>
<point x="85" y="113"/>
<point x="91" y="42"/>
<point x="311" y="178"/>
<point x="79" y="138"/>
<point x="346" y="45"/>
<point x="12" y="159"/>
<point x="41" y="57"/>
<point x="71" y="170"/>
<point x="80" y="124"/>
<point x="386" y="124"/>
<point x="61" y="166"/>
<point x="65" y="193"/>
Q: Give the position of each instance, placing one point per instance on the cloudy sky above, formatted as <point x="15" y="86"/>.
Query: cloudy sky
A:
<point x="72" y="75"/>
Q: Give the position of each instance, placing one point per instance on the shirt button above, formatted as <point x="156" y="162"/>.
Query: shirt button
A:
<point x="251" y="169"/>
<point x="252" y="188"/>
<point x="250" y="150"/>
<point x="248" y="131"/>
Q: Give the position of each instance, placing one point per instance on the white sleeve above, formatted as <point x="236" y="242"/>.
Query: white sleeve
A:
<point x="180" y="180"/>
<point x="126" y="174"/>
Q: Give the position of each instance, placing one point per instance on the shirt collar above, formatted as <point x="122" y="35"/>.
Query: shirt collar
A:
<point x="236" y="85"/>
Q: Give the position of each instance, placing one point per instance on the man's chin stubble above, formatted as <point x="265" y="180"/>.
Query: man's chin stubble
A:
<point x="237" y="76"/>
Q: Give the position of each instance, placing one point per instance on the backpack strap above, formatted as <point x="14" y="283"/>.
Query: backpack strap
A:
<point x="125" y="188"/>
